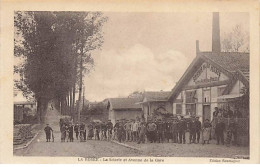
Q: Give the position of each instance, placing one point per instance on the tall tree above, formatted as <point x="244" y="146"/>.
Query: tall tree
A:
<point x="235" y="41"/>
<point x="52" y="43"/>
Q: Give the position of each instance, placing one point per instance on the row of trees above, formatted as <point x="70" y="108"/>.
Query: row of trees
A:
<point x="56" y="51"/>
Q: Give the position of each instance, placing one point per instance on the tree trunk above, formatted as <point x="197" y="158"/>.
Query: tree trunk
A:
<point x="42" y="106"/>
<point x="80" y="83"/>
<point x="39" y="110"/>
<point x="70" y="95"/>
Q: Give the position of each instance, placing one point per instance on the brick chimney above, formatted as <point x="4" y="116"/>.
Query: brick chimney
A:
<point x="197" y="46"/>
<point x="215" y="33"/>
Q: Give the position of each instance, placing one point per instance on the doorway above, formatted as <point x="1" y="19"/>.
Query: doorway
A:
<point x="206" y="112"/>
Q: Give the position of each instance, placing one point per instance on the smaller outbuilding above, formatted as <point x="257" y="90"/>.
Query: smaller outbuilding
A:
<point x="124" y="109"/>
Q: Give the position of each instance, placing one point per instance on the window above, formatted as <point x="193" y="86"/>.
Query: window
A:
<point x="191" y="109"/>
<point x="191" y="96"/>
<point x="178" y="108"/>
<point x="206" y="95"/>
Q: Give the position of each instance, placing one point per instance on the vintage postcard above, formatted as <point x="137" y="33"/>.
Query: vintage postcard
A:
<point x="129" y="82"/>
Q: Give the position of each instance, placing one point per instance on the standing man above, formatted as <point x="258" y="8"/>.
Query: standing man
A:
<point x="152" y="128"/>
<point x="82" y="130"/>
<point x="76" y="130"/>
<point x="109" y="130"/>
<point x="182" y="126"/>
<point x="48" y="130"/>
<point x="192" y="129"/>
<point x="174" y="131"/>
<point x="197" y="129"/>
<point x="71" y="132"/>
<point x="219" y="130"/>
<point x="159" y="134"/>
<point x="134" y="129"/>
<point x="142" y="133"/>
<point x="168" y="135"/>
<point x="127" y="128"/>
<point x="215" y="113"/>
<point x="120" y="132"/>
<point x="116" y="130"/>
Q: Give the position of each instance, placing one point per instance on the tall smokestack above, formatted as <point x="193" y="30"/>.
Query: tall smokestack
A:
<point x="215" y="33"/>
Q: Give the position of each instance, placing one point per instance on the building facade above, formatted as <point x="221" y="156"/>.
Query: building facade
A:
<point x="213" y="79"/>
<point x="155" y="105"/>
<point x="124" y="109"/>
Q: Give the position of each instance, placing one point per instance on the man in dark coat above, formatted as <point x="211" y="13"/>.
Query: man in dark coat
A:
<point x="151" y="130"/>
<point x="159" y="133"/>
<point x="48" y="130"/>
<point x="142" y="133"/>
<point x="109" y="129"/>
<point x="174" y="130"/>
<point x="76" y="130"/>
<point x="215" y="113"/>
<point x="197" y="129"/>
<point x="71" y="133"/>
<point x="182" y="127"/>
<point x="219" y="130"/>
<point x="120" y="132"/>
<point x="168" y="133"/>
<point x="192" y="129"/>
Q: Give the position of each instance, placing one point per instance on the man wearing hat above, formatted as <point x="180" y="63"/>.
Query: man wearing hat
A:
<point x="192" y="130"/>
<point x="48" y="131"/>
<point x="109" y="129"/>
<point x="160" y="130"/>
<point x="182" y="127"/>
<point x="168" y="134"/>
<point x="142" y="133"/>
<point x="76" y="130"/>
<point x="197" y="129"/>
<point x="151" y="129"/>
<point x="174" y="131"/>
<point x="127" y="128"/>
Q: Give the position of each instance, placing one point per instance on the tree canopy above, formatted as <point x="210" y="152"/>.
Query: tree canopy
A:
<point x="56" y="49"/>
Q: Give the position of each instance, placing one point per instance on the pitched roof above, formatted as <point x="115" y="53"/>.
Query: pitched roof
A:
<point x="231" y="61"/>
<point x="157" y="95"/>
<point x="125" y="103"/>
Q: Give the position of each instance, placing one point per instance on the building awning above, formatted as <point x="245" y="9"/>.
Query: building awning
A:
<point x="230" y="96"/>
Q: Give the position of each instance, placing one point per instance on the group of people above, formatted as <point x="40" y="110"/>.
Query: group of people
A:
<point x="83" y="132"/>
<point x="176" y="130"/>
<point x="227" y="113"/>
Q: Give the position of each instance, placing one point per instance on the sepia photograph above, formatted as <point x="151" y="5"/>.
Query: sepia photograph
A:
<point x="129" y="82"/>
<point x="98" y="84"/>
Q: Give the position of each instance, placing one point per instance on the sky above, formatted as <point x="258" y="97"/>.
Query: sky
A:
<point x="151" y="51"/>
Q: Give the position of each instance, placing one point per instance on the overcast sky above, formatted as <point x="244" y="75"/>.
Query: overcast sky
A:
<point x="151" y="51"/>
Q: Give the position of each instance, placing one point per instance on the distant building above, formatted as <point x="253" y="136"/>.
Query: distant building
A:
<point x="124" y="108"/>
<point x="23" y="107"/>
<point x="213" y="79"/>
<point x="155" y="104"/>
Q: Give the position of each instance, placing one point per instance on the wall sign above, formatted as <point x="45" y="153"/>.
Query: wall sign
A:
<point x="212" y="74"/>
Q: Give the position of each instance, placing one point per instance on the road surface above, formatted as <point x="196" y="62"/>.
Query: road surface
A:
<point x="94" y="148"/>
<point x="91" y="148"/>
